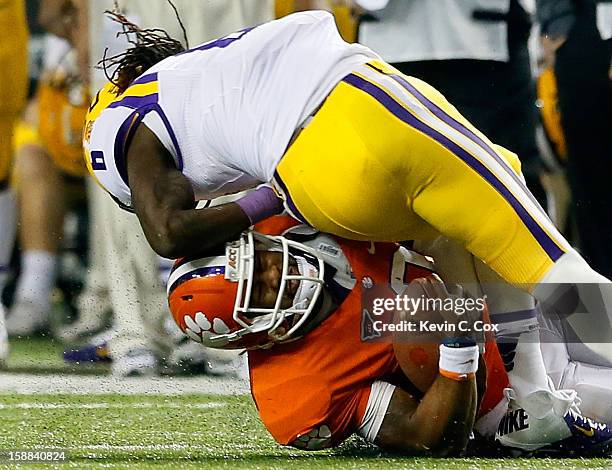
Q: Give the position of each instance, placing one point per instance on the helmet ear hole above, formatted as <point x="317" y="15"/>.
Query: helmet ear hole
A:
<point x="187" y="298"/>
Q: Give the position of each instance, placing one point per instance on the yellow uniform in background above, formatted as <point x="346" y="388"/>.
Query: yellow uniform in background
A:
<point x="388" y="158"/>
<point x="13" y="75"/>
<point x="61" y="104"/>
<point x="346" y="22"/>
<point x="62" y="111"/>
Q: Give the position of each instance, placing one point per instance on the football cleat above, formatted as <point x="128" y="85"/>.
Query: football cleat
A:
<point x="561" y="431"/>
<point x="88" y="353"/>
<point x="27" y="318"/>
<point x="94" y="350"/>
<point x="136" y="362"/>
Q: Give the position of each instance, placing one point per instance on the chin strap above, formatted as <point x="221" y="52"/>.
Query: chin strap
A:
<point x="306" y="289"/>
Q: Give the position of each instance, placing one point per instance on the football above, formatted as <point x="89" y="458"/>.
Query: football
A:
<point x="417" y="353"/>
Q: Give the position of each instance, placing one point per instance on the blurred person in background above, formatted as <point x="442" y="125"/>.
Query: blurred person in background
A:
<point x="475" y="53"/>
<point x="13" y="91"/>
<point x="48" y="179"/>
<point x="575" y="36"/>
<point x="130" y="267"/>
<point x="345" y="13"/>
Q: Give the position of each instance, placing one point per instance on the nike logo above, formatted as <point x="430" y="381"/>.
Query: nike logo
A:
<point x="586" y="432"/>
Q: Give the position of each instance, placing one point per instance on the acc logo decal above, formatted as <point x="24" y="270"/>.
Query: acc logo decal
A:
<point x="231" y="271"/>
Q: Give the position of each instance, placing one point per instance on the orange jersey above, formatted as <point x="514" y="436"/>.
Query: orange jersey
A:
<point x="318" y="386"/>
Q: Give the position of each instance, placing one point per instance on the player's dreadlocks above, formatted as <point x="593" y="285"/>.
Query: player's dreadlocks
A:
<point x="150" y="46"/>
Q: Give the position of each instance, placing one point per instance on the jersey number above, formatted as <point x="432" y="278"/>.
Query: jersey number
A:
<point x="97" y="160"/>
<point x="224" y="41"/>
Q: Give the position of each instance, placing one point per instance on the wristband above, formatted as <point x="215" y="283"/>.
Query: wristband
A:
<point x="459" y="342"/>
<point x="458" y="363"/>
<point x="260" y="204"/>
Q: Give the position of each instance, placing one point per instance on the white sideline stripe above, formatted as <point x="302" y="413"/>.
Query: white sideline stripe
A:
<point x="94" y="406"/>
<point x="11" y="384"/>
<point x="129" y="448"/>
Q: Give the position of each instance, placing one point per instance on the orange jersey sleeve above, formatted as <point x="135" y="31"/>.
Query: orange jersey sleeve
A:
<point x="312" y="393"/>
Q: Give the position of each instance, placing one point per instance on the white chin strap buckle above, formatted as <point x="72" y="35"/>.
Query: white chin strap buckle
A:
<point x="306" y="288"/>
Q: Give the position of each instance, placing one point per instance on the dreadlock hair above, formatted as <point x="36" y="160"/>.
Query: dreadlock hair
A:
<point x="150" y="46"/>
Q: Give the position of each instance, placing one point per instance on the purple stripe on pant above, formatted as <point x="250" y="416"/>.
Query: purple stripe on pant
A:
<point x="295" y="213"/>
<point x="513" y="316"/>
<point x="549" y="246"/>
<point x="442" y="115"/>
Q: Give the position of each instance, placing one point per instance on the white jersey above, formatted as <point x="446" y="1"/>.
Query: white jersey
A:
<point x="226" y="110"/>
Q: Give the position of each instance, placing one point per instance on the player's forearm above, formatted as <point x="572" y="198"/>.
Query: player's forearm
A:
<point x="445" y="416"/>
<point x="176" y="230"/>
<point x="173" y="226"/>
<point x="440" y="423"/>
<point x="190" y="232"/>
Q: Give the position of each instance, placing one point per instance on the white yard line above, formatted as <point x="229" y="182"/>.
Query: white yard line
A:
<point x="131" y="448"/>
<point x="94" y="406"/>
<point x="11" y="384"/>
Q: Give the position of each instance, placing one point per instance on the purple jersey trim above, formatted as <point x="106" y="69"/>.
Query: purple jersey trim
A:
<point x="196" y="273"/>
<point x="135" y="102"/>
<point x="145" y="79"/>
<point x="550" y="247"/>
<point x="160" y="112"/>
<point x="122" y="143"/>
<point x="219" y="43"/>
<point x="126" y="132"/>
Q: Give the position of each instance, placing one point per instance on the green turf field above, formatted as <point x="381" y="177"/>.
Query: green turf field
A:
<point x="142" y="430"/>
<point x="190" y="431"/>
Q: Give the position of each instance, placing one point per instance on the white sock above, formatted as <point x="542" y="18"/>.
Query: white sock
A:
<point x="37" y="277"/>
<point x="519" y="345"/>
<point x="529" y="372"/>
<point x="8" y="214"/>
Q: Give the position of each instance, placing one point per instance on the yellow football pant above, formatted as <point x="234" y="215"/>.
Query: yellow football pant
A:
<point x="13" y="76"/>
<point x="387" y="158"/>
